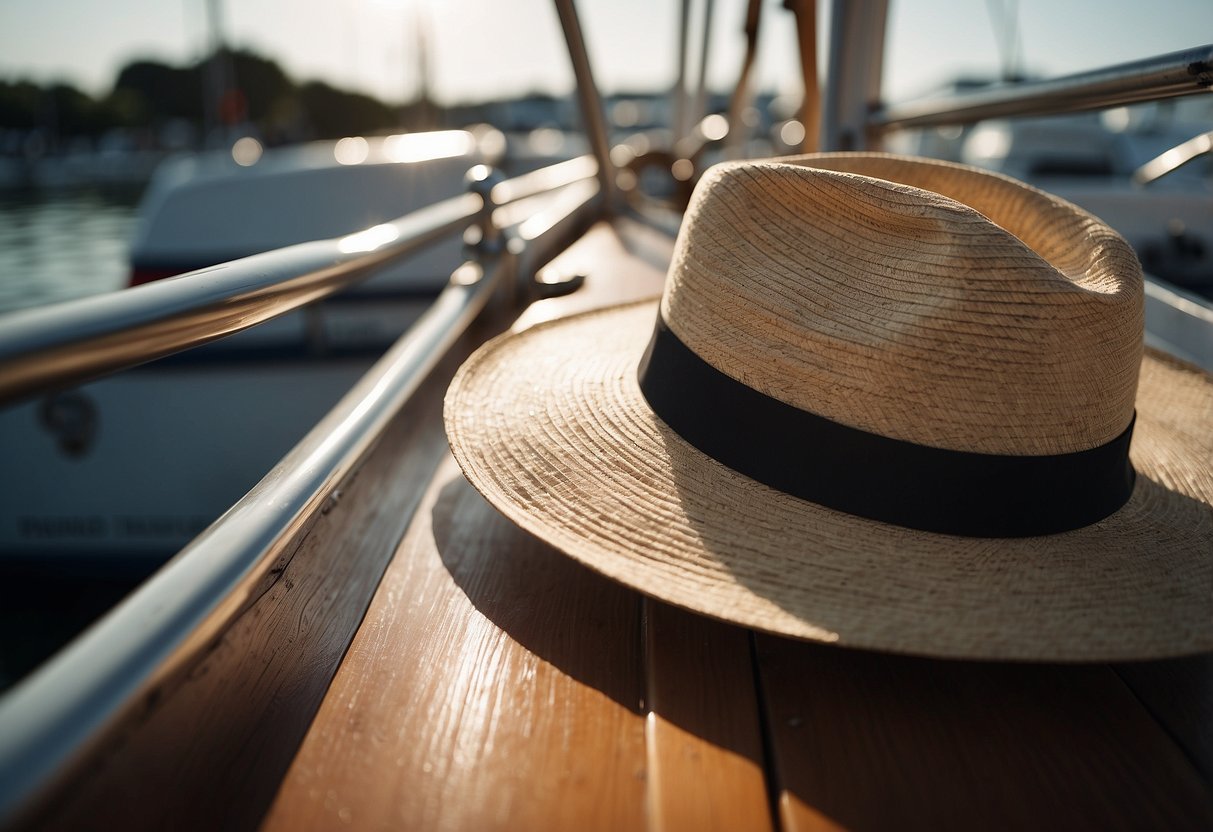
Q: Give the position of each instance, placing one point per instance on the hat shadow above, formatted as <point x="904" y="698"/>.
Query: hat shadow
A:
<point x="524" y="587"/>
<point x="588" y="627"/>
<point x="816" y="701"/>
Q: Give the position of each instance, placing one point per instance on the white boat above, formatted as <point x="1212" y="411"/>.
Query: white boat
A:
<point x="132" y="467"/>
<point x="210" y="208"/>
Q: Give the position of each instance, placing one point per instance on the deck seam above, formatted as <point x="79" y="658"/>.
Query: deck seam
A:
<point x="1176" y="741"/>
<point x="769" y="767"/>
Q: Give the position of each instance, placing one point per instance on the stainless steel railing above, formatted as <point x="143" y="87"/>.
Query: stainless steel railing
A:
<point x="853" y="117"/>
<point x="51" y="720"/>
<point x="78" y="340"/>
<point x="1189" y="72"/>
<point x="588" y="99"/>
<point x="68" y="343"/>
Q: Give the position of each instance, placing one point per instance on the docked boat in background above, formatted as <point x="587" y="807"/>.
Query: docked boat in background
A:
<point x="130" y="468"/>
<point x="204" y="209"/>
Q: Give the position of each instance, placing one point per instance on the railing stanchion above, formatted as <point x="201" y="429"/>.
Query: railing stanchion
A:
<point x="589" y="99"/>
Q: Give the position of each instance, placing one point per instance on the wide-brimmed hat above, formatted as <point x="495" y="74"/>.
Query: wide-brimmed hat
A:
<point x="886" y="402"/>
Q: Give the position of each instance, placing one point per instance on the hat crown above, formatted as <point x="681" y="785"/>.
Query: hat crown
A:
<point x="922" y="301"/>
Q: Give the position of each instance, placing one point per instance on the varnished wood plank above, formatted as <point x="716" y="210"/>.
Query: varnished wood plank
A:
<point x="1179" y="693"/>
<point x="704" y="738"/>
<point x="868" y="741"/>
<point x="493" y="685"/>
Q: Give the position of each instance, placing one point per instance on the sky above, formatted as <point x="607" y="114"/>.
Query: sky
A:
<point x="481" y="49"/>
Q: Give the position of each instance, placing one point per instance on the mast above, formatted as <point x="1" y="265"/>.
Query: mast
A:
<point x="701" y="94"/>
<point x="217" y="76"/>
<point x="426" y="109"/>
<point x="589" y="99"/>
<point x="678" y="124"/>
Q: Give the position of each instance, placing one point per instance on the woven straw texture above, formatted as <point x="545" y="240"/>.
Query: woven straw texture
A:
<point x="551" y="427"/>
<point x="906" y="313"/>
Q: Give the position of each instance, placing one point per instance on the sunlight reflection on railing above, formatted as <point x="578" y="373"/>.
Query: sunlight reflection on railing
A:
<point x="420" y="147"/>
<point x="368" y="240"/>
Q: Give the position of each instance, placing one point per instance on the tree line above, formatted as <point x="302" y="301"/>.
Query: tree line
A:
<point x="228" y="88"/>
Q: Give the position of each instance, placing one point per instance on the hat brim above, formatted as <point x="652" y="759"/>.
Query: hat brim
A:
<point x="550" y="426"/>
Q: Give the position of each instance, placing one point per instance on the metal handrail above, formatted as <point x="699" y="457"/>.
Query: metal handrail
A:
<point x="71" y="342"/>
<point x="544" y="180"/>
<point x="1172" y="160"/>
<point x="1187" y="72"/>
<point x="52" y="719"/>
<point x="67" y="343"/>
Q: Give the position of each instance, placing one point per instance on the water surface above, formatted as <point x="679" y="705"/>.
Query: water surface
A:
<point x="56" y="246"/>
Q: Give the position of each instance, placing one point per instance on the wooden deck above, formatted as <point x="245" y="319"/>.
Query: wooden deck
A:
<point x="494" y="684"/>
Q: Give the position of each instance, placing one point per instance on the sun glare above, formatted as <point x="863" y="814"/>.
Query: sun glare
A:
<point x="352" y="150"/>
<point x="246" y="151"/>
<point x="421" y="147"/>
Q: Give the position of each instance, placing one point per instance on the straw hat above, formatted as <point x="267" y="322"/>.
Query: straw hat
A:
<point x="884" y="402"/>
